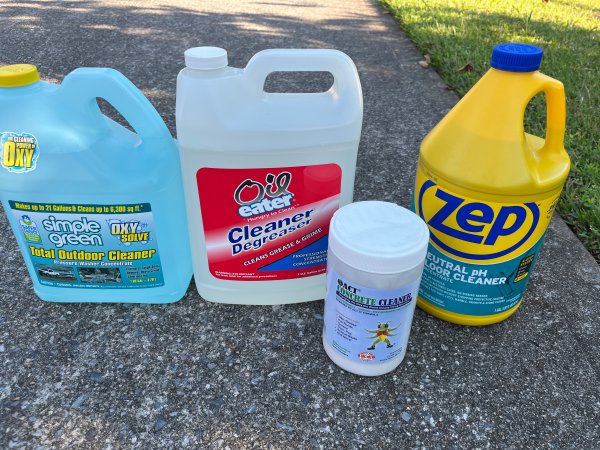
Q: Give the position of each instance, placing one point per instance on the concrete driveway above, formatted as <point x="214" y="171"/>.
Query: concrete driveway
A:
<point x="200" y="375"/>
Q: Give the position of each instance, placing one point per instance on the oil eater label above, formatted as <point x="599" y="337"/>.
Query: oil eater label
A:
<point x="481" y="254"/>
<point x="365" y="324"/>
<point x="89" y="246"/>
<point x="268" y="223"/>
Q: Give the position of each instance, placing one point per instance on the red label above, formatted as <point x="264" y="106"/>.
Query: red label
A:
<point x="366" y="356"/>
<point x="268" y="224"/>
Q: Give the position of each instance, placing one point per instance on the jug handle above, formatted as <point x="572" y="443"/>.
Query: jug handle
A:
<point x="345" y="77"/>
<point x="127" y="99"/>
<point x="555" y="112"/>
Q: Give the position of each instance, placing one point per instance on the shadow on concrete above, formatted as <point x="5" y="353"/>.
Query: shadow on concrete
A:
<point x="147" y="43"/>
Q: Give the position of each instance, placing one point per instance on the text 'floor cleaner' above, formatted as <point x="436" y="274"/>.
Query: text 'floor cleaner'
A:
<point x="264" y="172"/>
<point x="97" y="210"/>
<point x="487" y="191"/>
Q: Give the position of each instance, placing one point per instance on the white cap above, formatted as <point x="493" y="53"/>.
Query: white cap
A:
<point x="378" y="237"/>
<point x="205" y="58"/>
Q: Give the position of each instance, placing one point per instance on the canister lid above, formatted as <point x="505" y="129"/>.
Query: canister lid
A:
<point x="205" y="58"/>
<point x="378" y="237"/>
<point x="18" y="75"/>
<point x="514" y="57"/>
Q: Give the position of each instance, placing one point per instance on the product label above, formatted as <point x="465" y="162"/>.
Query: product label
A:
<point x="20" y="152"/>
<point x="90" y="246"/>
<point x="365" y="324"/>
<point x="481" y="253"/>
<point x="268" y="224"/>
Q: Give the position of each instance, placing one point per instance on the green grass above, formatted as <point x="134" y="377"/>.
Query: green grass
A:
<point x="459" y="32"/>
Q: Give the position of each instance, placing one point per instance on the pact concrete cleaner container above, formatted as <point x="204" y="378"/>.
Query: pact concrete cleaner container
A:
<point x="97" y="210"/>
<point x="375" y="261"/>
<point x="487" y="191"/>
<point x="264" y="172"/>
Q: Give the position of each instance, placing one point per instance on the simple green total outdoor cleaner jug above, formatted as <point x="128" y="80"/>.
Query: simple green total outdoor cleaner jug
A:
<point x="487" y="191"/>
<point x="97" y="210"/>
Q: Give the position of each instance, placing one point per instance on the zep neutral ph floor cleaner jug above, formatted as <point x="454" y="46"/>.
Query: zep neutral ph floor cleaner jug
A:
<point x="264" y="172"/>
<point x="487" y="191"/>
<point x="97" y="210"/>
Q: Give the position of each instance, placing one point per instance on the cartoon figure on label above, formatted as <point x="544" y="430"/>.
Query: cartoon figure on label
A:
<point x="381" y="335"/>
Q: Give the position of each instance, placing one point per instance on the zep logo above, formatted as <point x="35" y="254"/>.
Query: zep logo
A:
<point x="474" y="230"/>
<point x="19" y="152"/>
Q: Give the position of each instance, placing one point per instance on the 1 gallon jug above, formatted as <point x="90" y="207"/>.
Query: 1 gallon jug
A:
<point x="487" y="191"/>
<point x="264" y="172"/>
<point x="97" y="210"/>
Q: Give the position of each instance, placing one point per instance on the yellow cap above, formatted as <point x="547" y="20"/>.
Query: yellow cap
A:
<point x="18" y="75"/>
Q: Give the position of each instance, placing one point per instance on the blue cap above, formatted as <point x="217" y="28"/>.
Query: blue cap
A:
<point x="516" y="57"/>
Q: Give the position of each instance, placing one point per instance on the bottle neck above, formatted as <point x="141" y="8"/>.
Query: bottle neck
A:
<point x="210" y="73"/>
<point x="25" y="89"/>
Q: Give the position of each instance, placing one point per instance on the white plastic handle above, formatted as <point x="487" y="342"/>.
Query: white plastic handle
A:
<point x="345" y="77"/>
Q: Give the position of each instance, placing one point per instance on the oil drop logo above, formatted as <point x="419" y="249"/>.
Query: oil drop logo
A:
<point x="256" y="198"/>
<point x="19" y="152"/>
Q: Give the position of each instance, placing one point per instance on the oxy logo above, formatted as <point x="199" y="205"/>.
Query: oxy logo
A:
<point x="19" y="152"/>
<point x="255" y="198"/>
<point x="129" y="232"/>
<point x="475" y="230"/>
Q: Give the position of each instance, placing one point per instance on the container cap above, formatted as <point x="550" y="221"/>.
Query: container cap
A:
<point x="512" y="57"/>
<point x="205" y="58"/>
<point x="378" y="237"/>
<point x="18" y="75"/>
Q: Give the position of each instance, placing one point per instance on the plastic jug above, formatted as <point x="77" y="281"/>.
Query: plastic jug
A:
<point x="97" y="210"/>
<point x="487" y="191"/>
<point x="264" y="172"/>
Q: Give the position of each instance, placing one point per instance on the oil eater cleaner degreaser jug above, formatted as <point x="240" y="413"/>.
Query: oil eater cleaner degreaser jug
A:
<point x="264" y="172"/>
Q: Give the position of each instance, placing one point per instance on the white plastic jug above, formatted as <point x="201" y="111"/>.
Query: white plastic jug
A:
<point x="264" y="172"/>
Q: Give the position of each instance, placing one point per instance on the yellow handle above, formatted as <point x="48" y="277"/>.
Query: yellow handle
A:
<point x="555" y="113"/>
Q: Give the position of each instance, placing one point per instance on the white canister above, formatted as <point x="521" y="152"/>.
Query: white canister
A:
<point x="375" y="262"/>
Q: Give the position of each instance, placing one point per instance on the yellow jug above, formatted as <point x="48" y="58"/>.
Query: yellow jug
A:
<point x="487" y="190"/>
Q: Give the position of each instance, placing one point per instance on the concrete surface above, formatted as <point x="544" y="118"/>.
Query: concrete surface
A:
<point x="199" y="375"/>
